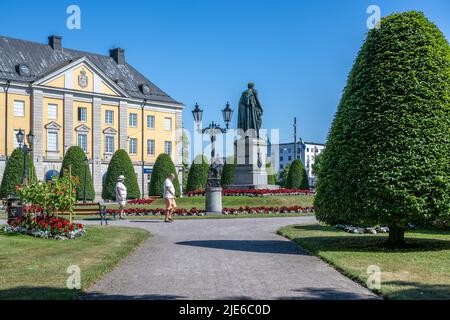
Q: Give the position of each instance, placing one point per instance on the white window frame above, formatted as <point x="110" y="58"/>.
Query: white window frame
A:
<point x="19" y="112"/>
<point x="169" y="126"/>
<point x="111" y="117"/>
<point x="168" y="143"/>
<point x="80" y="114"/>
<point x="52" y="114"/>
<point x="132" y="120"/>
<point x="133" y="146"/>
<point x="153" y="122"/>
<point x="82" y="134"/>
<point x="107" y="150"/>
<point x="149" y="142"/>
<point x="49" y="147"/>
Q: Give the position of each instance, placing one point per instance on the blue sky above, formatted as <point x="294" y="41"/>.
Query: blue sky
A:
<point x="298" y="53"/>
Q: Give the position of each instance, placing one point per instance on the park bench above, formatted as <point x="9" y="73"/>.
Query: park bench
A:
<point x="90" y="209"/>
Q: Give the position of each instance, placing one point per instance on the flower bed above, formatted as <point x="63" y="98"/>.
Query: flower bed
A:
<point x="256" y="193"/>
<point x="141" y="201"/>
<point x="227" y="211"/>
<point x="44" y="226"/>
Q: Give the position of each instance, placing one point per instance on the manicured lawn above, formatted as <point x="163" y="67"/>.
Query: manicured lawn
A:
<point x="34" y="268"/>
<point x="419" y="271"/>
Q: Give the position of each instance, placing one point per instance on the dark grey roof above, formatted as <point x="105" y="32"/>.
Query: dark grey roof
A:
<point x="42" y="59"/>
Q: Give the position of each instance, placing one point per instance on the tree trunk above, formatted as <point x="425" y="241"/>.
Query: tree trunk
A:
<point x="396" y="236"/>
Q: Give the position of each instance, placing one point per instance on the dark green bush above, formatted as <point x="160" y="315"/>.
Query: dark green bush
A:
<point x="282" y="177"/>
<point x="198" y="174"/>
<point x="120" y="165"/>
<point x="74" y="158"/>
<point x="297" y="177"/>
<point x="163" y="166"/>
<point x="13" y="174"/>
<point x="271" y="175"/>
<point x="228" y="172"/>
<point x="387" y="159"/>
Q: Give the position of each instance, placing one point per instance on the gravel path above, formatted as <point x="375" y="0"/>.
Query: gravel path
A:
<point x="223" y="259"/>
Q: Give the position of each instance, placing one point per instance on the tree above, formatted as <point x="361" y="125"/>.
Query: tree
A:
<point x="271" y="174"/>
<point x="229" y="168"/>
<point x="297" y="177"/>
<point x="13" y="174"/>
<point x="198" y="174"/>
<point x="163" y="166"/>
<point x="74" y="161"/>
<point x="120" y="164"/>
<point x="387" y="159"/>
<point x="282" y="179"/>
<point x="185" y="162"/>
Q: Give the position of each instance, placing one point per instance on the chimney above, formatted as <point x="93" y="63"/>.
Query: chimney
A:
<point x="118" y="55"/>
<point x="55" y="42"/>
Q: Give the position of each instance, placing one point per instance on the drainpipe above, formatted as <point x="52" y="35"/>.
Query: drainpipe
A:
<point x="142" y="149"/>
<point x="8" y="85"/>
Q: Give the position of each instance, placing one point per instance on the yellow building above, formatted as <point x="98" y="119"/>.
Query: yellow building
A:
<point x="67" y="97"/>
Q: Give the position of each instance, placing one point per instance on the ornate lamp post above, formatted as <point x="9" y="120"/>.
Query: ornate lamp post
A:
<point x="213" y="187"/>
<point x="20" y="136"/>
<point x="86" y="163"/>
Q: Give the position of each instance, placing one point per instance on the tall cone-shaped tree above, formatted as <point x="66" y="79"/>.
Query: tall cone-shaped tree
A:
<point x="74" y="158"/>
<point x="198" y="174"/>
<point x="387" y="159"/>
<point x="120" y="165"/>
<point x="297" y="177"/>
<point x="163" y="166"/>
<point x="229" y="169"/>
<point x="13" y="174"/>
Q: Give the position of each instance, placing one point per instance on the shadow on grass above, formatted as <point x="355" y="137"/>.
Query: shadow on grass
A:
<point x="416" y="291"/>
<point x="362" y="243"/>
<point x="39" y="293"/>
<point x="258" y="246"/>
<point x="329" y="294"/>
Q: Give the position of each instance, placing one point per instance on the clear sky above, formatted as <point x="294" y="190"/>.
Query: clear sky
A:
<point x="298" y="53"/>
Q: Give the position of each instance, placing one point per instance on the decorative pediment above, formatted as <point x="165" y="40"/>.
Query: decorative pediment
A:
<point x="82" y="128"/>
<point x="81" y="75"/>
<point x="110" y="131"/>
<point x="52" y="126"/>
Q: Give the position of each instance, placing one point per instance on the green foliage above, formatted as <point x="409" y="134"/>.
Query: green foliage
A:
<point x="282" y="179"/>
<point x="163" y="166"/>
<point x="228" y="171"/>
<point x="120" y="165"/>
<point x="74" y="162"/>
<point x="198" y="174"/>
<point x="271" y="174"/>
<point x="297" y="177"/>
<point x="13" y="174"/>
<point x="387" y="159"/>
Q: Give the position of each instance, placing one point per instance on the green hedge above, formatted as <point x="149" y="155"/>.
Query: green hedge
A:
<point x="120" y="165"/>
<point x="74" y="158"/>
<point x="163" y="166"/>
<point x="198" y="174"/>
<point x="297" y="177"/>
<point x="229" y="168"/>
<point x="387" y="159"/>
<point x="13" y="174"/>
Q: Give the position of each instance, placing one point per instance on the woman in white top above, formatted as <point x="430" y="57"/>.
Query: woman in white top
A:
<point x="169" y="197"/>
<point x="121" y="195"/>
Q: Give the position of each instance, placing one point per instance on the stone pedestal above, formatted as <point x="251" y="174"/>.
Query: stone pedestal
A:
<point x="213" y="195"/>
<point x="250" y="172"/>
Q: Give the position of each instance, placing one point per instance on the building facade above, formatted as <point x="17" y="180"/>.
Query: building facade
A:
<point x="98" y="102"/>
<point x="306" y="152"/>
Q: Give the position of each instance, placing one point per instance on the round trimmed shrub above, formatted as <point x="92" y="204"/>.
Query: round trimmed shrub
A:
<point x="297" y="177"/>
<point x="387" y="159"/>
<point x="229" y="168"/>
<point x="198" y="174"/>
<point x="74" y="159"/>
<point x="120" y="165"/>
<point x="13" y="174"/>
<point x="163" y="166"/>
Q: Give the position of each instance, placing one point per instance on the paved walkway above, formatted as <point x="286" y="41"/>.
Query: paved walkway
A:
<point x="223" y="259"/>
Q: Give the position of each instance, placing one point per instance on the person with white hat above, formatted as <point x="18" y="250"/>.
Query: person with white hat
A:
<point x="121" y="195"/>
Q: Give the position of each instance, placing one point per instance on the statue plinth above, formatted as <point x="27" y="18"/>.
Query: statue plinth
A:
<point x="213" y="199"/>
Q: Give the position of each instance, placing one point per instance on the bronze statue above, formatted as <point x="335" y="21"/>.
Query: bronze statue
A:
<point x="250" y="111"/>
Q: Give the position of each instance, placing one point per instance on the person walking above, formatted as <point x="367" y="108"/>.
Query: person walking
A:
<point x="169" y="197"/>
<point x="121" y="196"/>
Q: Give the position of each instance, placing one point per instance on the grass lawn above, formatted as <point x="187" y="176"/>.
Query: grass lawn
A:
<point x="34" y="268"/>
<point x="419" y="271"/>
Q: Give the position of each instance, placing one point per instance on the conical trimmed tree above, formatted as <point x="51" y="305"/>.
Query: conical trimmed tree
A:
<point x="198" y="174"/>
<point x="387" y="159"/>
<point x="297" y="177"/>
<point x="74" y="159"/>
<point x="229" y="168"/>
<point x="271" y="175"/>
<point x="120" y="165"/>
<point x="13" y="174"/>
<point x="163" y="166"/>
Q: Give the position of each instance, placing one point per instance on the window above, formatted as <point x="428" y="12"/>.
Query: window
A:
<point x="151" y="147"/>
<point x="151" y="122"/>
<point x="290" y="158"/>
<point x="109" y="117"/>
<point x="133" y="120"/>
<point x="19" y="108"/>
<point x="52" y="111"/>
<point x="168" y="147"/>
<point x="109" y="144"/>
<point x="168" y="124"/>
<point x="281" y="166"/>
<point x="281" y="159"/>
<point x="82" y="114"/>
<point x="52" y="141"/>
<point x="82" y="141"/>
<point x="133" y="146"/>
<point x="307" y="149"/>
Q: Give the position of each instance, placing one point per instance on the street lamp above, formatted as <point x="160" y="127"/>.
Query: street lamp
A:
<point x="86" y="163"/>
<point x="20" y="136"/>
